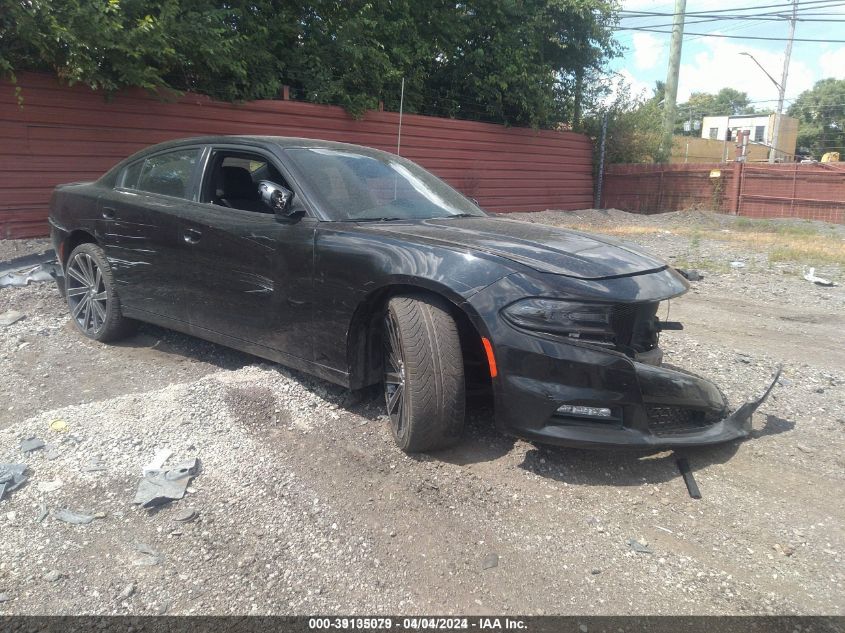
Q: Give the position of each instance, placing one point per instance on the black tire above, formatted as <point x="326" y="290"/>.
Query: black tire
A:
<point x="422" y="356"/>
<point x="92" y="297"/>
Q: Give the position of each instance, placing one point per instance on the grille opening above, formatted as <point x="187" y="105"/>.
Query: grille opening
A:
<point x="664" y="421"/>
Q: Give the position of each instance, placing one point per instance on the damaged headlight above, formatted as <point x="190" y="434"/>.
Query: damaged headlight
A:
<point x="555" y="316"/>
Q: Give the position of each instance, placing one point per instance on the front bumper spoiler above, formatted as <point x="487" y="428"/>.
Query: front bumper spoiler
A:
<point x="656" y="387"/>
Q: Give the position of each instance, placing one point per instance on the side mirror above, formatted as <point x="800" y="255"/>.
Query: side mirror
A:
<point x="275" y="197"/>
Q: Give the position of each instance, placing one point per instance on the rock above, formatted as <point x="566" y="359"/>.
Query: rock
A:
<point x="77" y="518"/>
<point x="804" y="449"/>
<point x="595" y="571"/>
<point x="128" y="590"/>
<point x="53" y="575"/>
<point x="4" y="597"/>
<point x="490" y="561"/>
<point x="183" y="516"/>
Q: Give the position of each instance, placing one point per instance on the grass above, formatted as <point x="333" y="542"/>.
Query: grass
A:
<point x="748" y="225"/>
<point x="783" y="242"/>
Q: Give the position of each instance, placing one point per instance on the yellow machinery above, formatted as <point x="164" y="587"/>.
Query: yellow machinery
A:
<point x="830" y="157"/>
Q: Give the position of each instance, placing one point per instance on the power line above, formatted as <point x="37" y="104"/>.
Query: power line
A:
<point x="737" y="37"/>
<point x="824" y="4"/>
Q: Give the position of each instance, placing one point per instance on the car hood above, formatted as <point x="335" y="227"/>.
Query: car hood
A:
<point x="544" y="248"/>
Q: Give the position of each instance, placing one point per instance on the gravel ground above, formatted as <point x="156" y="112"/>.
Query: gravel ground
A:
<point x="303" y="504"/>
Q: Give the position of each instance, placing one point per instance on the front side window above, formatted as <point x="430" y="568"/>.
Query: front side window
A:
<point x="232" y="180"/>
<point x="168" y="174"/>
<point x="353" y="185"/>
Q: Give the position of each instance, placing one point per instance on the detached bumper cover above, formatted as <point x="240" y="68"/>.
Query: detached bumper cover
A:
<point x="651" y="407"/>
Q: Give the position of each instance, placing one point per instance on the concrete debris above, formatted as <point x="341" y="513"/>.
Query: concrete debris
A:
<point x="10" y="316"/>
<point x="162" y="486"/>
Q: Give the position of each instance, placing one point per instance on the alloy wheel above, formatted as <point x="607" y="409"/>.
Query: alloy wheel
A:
<point x="394" y="376"/>
<point x="86" y="292"/>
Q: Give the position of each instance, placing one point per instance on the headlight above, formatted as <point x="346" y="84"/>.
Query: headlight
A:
<point x="573" y="318"/>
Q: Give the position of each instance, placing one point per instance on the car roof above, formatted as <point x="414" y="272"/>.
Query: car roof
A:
<point x="261" y="141"/>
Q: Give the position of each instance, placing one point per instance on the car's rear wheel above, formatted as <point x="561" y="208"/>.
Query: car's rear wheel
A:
<point x="91" y="295"/>
<point x="423" y="374"/>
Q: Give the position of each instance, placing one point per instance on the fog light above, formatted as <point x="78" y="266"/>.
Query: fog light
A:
<point x="594" y="412"/>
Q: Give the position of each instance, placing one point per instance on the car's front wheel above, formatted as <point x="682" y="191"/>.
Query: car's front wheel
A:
<point x="91" y="295"/>
<point x="423" y="374"/>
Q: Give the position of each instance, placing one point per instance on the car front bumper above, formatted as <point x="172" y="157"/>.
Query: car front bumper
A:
<point x="651" y="407"/>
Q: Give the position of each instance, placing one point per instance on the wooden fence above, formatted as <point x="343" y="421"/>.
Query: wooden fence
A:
<point x="64" y="134"/>
<point x="813" y="192"/>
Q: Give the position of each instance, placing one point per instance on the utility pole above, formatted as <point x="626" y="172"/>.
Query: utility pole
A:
<point x="671" y="94"/>
<point x="782" y="86"/>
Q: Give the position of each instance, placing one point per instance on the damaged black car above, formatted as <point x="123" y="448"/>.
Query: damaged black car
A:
<point x="364" y="269"/>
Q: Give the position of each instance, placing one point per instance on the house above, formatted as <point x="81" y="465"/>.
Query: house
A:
<point x="760" y="128"/>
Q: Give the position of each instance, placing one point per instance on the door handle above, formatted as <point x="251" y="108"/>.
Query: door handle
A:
<point x="109" y="213"/>
<point x="191" y="236"/>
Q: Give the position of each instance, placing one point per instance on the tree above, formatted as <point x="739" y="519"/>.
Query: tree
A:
<point x="726" y="102"/>
<point x="821" y="117"/>
<point x="634" y="126"/>
<point x="519" y="62"/>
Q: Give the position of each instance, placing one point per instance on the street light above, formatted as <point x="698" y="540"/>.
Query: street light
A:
<point x="781" y="92"/>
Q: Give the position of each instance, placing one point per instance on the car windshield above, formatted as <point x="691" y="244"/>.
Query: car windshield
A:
<point x="361" y="187"/>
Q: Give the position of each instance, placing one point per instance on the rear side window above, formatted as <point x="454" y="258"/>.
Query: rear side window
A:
<point x="168" y="174"/>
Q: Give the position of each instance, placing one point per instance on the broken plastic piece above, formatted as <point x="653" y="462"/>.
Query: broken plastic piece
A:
<point x="742" y="416"/>
<point x="42" y="513"/>
<point x="68" y="516"/>
<point x="21" y="271"/>
<point x="158" y="461"/>
<point x="31" y="444"/>
<point x="689" y="480"/>
<point x="819" y="281"/>
<point x="159" y="487"/>
<point x="11" y="476"/>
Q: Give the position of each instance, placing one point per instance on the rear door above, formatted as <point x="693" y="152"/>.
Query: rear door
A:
<point x="247" y="274"/>
<point x="142" y="238"/>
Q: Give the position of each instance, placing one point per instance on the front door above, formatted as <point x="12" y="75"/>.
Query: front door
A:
<point x="247" y="274"/>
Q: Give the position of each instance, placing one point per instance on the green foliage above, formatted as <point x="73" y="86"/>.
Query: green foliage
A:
<point x="520" y="62"/>
<point x="634" y="125"/>
<point x="821" y="117"/>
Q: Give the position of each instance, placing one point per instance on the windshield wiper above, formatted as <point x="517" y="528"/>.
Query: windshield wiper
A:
<point x="390" y="219"/>
<point x="460" y="215"/>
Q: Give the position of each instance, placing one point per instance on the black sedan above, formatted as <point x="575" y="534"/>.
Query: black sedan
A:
<point x="362" y="268"/>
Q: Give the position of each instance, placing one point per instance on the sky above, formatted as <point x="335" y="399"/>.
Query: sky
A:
<point x="710" y="63"/>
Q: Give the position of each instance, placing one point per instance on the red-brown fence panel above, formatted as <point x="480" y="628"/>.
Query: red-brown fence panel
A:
<point x="64" y="134"/>
<point x="813" y="192"/>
